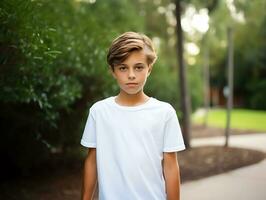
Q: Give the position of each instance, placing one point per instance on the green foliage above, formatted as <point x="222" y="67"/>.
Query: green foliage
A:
<point x="163" y="83"/>
<point x="249" y="48"/>
<point x="250" y="57"/>
<point x="196" y="87"/>
<point x="53" y="68"/>
<point x="53" y="62"/>
<point x="257" y="96"/>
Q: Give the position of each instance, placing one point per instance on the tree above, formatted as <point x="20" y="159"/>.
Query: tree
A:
<point x="185" y="99"/>
<point x="53" y="66"/>
<point x="249" y="22"/>
<point x="230" y="78"/>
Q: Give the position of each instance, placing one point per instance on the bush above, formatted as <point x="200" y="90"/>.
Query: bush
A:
<point x="53" y="67"/>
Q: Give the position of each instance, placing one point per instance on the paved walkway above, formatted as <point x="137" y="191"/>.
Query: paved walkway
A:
<point x="246" y="183"/>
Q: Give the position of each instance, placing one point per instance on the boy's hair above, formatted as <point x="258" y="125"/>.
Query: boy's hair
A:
<point x="123" y="45"/>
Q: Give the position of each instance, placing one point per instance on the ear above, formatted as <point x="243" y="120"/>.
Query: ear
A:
<point x="150" y="69"/>
<point x="111" y="70"/>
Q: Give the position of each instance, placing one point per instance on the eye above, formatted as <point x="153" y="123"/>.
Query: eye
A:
<point x="139" y="68"/>
<point x="122" y="68"/>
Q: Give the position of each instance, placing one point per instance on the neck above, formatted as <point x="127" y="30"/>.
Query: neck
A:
<point x="131" y="99"/>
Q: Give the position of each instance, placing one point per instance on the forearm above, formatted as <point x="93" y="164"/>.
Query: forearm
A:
<point x="90" y="176"/>
<point x="172" y="181"/>
<point x="172" y="176"/>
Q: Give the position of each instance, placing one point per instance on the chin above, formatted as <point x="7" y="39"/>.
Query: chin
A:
<point x="132" y="92"/>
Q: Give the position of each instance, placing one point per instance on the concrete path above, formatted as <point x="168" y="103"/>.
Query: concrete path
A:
<point x="246" y="183"/>
<point x="250" y="141"/>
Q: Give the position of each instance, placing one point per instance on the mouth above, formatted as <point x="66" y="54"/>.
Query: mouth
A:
<point x="131" y="84"/>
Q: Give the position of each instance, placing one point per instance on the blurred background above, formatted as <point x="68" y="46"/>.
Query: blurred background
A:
<point x="53" y="68"/>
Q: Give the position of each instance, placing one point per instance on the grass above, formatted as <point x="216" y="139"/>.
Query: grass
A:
<point x="240" y="119"/>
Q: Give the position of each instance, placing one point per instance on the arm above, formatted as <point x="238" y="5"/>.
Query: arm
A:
<point x="90" y="175"/>
<point x="172" y="176"/>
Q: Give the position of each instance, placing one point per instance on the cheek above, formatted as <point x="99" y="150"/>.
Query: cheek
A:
<point x="144" y="75"/>
<point x="120" y="79"/>
<point x="117" y="75"/>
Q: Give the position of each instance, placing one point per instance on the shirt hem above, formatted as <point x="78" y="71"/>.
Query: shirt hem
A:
<point x="174" y="149"/>
<point x="87" y="144"/>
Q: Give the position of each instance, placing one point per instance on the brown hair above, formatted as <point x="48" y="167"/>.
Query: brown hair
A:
<point x="123" y="45"/>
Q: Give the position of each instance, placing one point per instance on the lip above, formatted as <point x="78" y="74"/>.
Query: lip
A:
<point x="131" y="84"/>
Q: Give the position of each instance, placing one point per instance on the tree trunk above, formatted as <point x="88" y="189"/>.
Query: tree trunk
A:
<point x="230" y="84"/>
<point x="184" y="95"/>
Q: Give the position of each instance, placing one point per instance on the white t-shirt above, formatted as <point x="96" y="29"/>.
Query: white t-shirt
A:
<point x="130" y="141"/>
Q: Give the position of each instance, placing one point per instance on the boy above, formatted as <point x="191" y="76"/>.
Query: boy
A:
<point x="132" y="138"/>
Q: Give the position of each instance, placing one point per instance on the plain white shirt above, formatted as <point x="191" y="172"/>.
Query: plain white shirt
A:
<point x="129" y="142"/>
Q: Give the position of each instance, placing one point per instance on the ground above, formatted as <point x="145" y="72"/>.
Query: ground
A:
<point x="210" y="160"/>
<point x="65" y="183"/>
<point x="201" y="131"/>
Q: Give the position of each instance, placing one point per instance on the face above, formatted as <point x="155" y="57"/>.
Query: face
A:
<point x="131" y="75"/>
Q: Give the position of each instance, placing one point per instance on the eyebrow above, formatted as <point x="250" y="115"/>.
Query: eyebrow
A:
<point x="134" y="64"/>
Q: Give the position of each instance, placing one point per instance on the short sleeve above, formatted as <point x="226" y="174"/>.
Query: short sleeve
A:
<point x="89" y="135"/>
<point x="173" y="139"/>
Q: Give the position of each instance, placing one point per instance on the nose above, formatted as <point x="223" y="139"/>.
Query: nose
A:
<point x="131" y="74"/>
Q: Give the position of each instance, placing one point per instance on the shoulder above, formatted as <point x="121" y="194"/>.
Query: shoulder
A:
<point x="167" y="107"/>
<point x="100" y="104"/>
